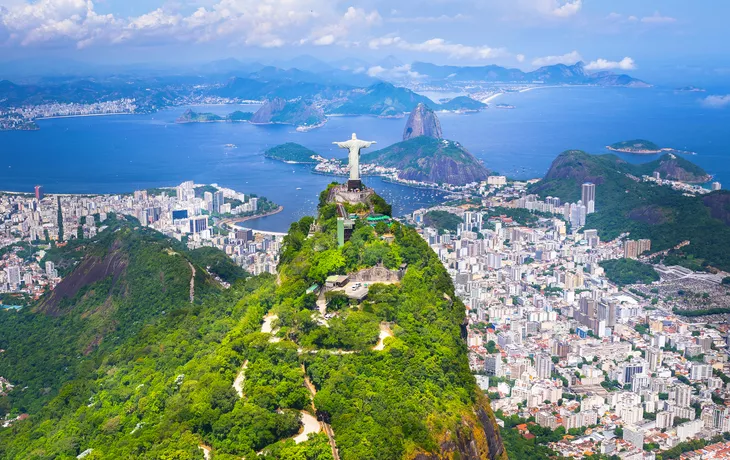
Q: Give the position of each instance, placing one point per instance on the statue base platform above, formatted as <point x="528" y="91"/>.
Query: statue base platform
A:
<point x="344" y="194"/>
<point x="354" y="184"/>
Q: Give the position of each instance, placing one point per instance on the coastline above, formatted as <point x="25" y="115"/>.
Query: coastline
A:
<point x="231" y="222"/>
<point x="634" y="152"/>
<point x="83" y="115"/>
<point x="531" y="88"/>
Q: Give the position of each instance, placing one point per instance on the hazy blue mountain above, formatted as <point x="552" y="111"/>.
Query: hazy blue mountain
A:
<point x="553" y="74"/>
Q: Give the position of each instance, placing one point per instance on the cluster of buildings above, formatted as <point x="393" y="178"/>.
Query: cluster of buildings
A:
<point x="575" y="213"/>
<point x="554" y="341"/>
<point x="56" y="109"/>
<point x="688" y="189"/>
<point x="193" y="214"/>
<point x="336" y="167"/>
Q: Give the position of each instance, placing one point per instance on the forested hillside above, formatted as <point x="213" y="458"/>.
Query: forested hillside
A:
<point x="126" y="366"/>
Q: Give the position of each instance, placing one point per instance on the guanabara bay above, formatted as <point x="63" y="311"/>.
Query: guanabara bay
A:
<point x="364" y="230"/>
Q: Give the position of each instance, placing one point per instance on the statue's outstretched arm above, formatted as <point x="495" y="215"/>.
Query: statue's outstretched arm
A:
<point x="340" y="144"/>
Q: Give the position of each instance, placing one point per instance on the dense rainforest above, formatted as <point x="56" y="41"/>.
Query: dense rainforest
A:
<point x="120" y="362"/>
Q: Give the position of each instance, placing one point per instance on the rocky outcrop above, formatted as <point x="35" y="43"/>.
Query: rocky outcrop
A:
<point x="475" y="438"/>
<point x="422" y="122"/>
<point x="719" y="204"/>
<point x="92" y="269"/>
<point x="297" y="113"/>
<point x="674" y="168"/>
<point x="268" y="111"/>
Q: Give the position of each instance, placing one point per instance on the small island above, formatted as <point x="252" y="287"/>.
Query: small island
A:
<point x="636" y="146"/>
<point x="504" y="106"/>
<point x="292" y="153"/>
<point x="206" y="117"/>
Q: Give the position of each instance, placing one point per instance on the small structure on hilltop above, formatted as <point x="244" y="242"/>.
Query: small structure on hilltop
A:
<point x="354" y="145"/>
<point x="353" y="193"/>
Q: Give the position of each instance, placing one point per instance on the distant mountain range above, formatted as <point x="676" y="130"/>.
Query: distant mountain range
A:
<point x="345" y="90"/>
<point x="553" y="74"/>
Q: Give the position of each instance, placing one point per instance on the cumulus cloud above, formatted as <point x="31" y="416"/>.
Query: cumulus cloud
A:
<point x="439" y="46"/>
<point x="269" y="23"/>
<point x="48" y="21"/>
<point x="396" y="73"/>
<point x="567" y="59"/>
<point x="543" y="8"/>
<point x="353" y="19"/>
<point x="603" y="64"/>
<point x="520" y="58"/>
<point x="566" y="9"/>
<point x="657" y="18"/>
<point x="717" y="101"/>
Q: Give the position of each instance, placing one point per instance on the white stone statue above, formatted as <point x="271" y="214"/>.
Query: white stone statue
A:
<point x="354" y="145"/>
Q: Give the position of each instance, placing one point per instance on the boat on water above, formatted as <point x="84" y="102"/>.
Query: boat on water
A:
<point x="299" y="188"/>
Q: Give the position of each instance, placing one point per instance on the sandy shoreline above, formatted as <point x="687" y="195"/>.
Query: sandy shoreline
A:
<point x="237" y="220"/>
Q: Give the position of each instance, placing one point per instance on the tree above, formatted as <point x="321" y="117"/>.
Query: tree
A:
<point x="326" y="263"/>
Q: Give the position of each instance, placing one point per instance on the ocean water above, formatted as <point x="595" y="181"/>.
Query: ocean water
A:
<point x="121" y="153"/>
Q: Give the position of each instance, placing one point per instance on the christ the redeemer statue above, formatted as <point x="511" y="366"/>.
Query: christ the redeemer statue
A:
<point x="354" y="145"/>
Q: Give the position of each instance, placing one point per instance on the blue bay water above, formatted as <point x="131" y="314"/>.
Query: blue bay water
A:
<point x="114" y="154"/>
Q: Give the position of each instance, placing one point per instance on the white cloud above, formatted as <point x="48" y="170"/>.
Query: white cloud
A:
<point x="657" y="18"/>
<point x="353" y="19"/>
<point x="602" y="64"/>
<point x="567" y="59"/>
<point x="265" y="23"/>
<point x="544" y="8"/>
<point x="396" y="73"/>
<point x="48" y="21"/>
<point x="520" y="58"/>
<point x="717" y="101"/>
<point x="439" y="46"/>
<point x="380" y="42"/>
<point x="325" y="40"/>
<point x="567" y="9"/>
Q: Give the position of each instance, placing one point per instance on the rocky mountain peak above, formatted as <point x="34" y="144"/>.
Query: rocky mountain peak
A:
<point x="422" y="122"/>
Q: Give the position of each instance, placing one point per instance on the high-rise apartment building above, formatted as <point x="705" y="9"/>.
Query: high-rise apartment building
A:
<point x="588" y="197"/>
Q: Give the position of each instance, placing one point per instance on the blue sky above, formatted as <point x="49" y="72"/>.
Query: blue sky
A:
<point x="636" y="36"/>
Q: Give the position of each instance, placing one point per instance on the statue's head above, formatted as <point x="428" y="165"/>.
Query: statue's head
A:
<point x="354" y="136"/>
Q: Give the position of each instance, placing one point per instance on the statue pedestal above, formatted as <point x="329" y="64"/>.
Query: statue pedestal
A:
<point x="354" y="184"/>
